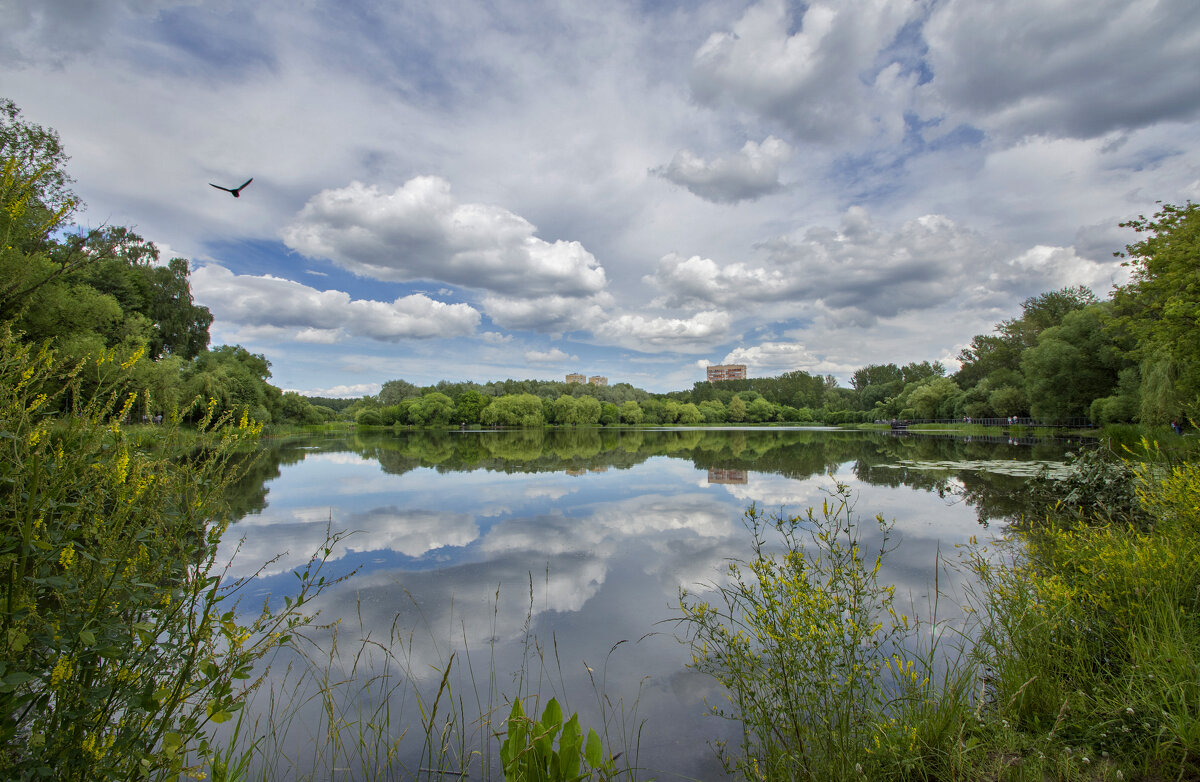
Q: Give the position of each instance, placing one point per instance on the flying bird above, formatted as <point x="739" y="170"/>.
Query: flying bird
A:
<point x="237" y="191"/>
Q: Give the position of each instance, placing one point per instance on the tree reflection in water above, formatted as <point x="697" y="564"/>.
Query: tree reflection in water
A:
<point x="582" y="538"/>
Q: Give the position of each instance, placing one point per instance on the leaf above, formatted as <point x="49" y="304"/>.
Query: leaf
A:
<point x="569" y="748"/>
<point x="552" y="716"/>
<point x="594" y="753"/>
<point x="171" y="744"/>
<point x="15" y="680"/>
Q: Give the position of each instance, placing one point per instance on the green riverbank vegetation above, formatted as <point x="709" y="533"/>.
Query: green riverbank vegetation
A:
<point x="1080" y="658"/>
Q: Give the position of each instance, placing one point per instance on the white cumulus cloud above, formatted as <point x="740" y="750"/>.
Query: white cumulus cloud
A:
<point x="820" y="80"/>
<point x="658" y="334"/>
<point x="749" y="174"/>
<point x="325" y="317"/>
<point x="420" y="231"/>
<point x="550" y="314"/>
<point x="552" y="356"/>
<point x="768" y="359"/>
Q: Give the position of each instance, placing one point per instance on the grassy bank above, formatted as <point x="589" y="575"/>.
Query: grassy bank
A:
<point x="1080" y="661"/>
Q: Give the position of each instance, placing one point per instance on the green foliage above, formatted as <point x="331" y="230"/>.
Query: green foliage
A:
<point x="434" y="409"/>
<point x="1072" y="364"/>
<point x="812" y="652"/>
<point x="514" y="410"/>
<point x="1092" y="635"/>
<point x="121" y="645"/>
<point x="529" y="754"/>
<point x="876" y="375"/>
<point x="369" y="418"/>
<point x="236" y="379"/>
<point x="468" y="406"/>
<point x="35" y="148"/>
<point x="1006" y="401"/>
<point x="1161" y="305"/>
<point x="127" y="269"/>
<point x="929" y="396"/>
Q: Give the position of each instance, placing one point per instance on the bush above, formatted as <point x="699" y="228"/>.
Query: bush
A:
<point x="1092" y="639"/>
<point x="369" y="418"/>
<point x="816" y="662"/>
<point x="121" y="648"/>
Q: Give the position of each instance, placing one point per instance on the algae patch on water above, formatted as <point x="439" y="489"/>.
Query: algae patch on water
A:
<point x="1014" y="468"/>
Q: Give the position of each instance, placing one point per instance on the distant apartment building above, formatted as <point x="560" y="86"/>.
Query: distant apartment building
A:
<point x="598" y="380"/>
<point x="717" y="372"/>
<point x="575" y="377"/>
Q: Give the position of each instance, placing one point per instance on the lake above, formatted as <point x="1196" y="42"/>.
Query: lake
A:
<point x="536" y="552"/>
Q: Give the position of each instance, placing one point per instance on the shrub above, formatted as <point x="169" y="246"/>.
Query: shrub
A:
<point x="1091" y="634"/>
<point x="815" y="660"/>
<point x="369" y="418"/>
<point x="121" y="648"/>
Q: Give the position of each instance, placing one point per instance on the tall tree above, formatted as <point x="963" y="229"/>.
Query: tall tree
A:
<point x="1160" y="307"/>
<point x="1072" y="364"/>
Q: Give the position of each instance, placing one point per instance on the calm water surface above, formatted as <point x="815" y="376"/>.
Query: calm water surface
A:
<point x="503" y="543"/>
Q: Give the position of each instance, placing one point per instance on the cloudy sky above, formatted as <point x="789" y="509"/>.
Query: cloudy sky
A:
<point x="477" y="191"/>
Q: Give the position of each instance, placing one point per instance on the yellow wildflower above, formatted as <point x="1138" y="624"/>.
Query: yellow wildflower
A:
<point x="62" y="672"/>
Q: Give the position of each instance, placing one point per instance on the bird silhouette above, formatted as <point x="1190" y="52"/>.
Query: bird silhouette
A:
<point x="237" y="191"/>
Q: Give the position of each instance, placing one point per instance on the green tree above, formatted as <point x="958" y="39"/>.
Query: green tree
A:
<point x="933" y="397"/>
<point x="235" y="378"/>
<point x="737" y="410"/>
<point x="1160" y="307"/>
<point x="761" y="411"/>
<point x="523" y="410"/>
<point x="989" y="354"/>
<point x="713" y="411"/>
<point x="631" y="413"/>
<point x="395" y="391"/>
<point x="294" y="408"/>
<point x="566" y="411"/>
<point x="911" y="373"/>
<point x="690" y="414"/>
<point x="434" y="409"/>
<point x="876" y="375"/>
<point x="469" y="405"/>
<point x="1072" y="364"/>
<point x="1008" y="401"/>
<point x="128" y="269"/>
<point x="589" y="410"/>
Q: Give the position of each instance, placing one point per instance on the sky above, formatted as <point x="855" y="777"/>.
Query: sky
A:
<point x="475" y="191"/>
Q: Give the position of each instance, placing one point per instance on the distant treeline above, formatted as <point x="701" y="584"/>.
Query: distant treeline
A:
<point x="1069" y="356"/>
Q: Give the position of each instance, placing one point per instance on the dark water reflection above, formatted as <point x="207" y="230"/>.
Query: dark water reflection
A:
<point x="582" y="538"/>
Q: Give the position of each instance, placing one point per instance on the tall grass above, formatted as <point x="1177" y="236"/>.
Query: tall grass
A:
<point x="351" y="704"/>
<point x="1093" y="639"/>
